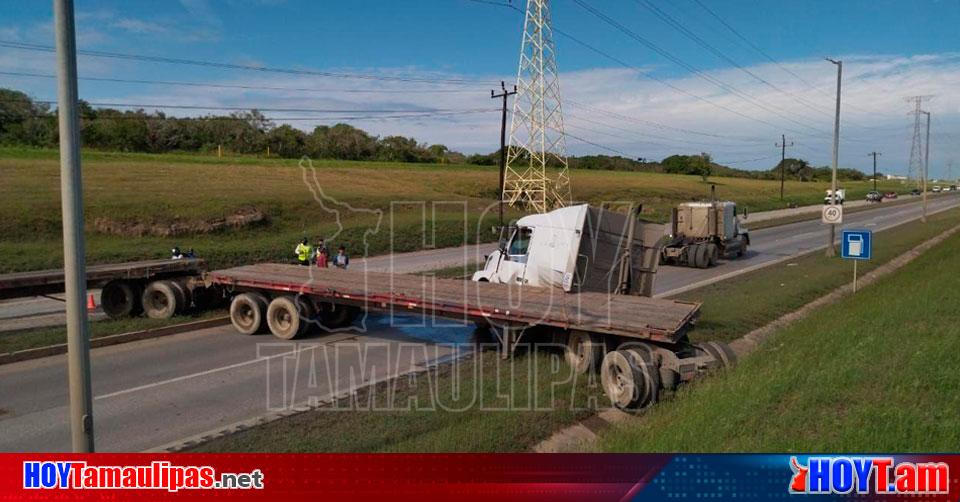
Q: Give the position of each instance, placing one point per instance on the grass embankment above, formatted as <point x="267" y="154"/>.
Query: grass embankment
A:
<point x="126" y="190"/>
<point x="12" y="341"/>
<point x="874" y="372"/>
<point x="732" y="308"/>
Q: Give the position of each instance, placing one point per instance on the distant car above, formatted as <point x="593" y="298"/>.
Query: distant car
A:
<point x="890" y="195"/>
<point x="874" y="196"/>
<point x="936" y="189"/>
<point x="953" y="188"/>
<point x="915" y="191"/>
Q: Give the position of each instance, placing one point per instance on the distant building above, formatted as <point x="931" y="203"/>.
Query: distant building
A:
<point x="895" y="177"/>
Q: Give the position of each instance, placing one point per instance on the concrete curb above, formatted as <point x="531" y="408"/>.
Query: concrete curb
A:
<point x="583" y="435"/>
<point x="106" y="341"/>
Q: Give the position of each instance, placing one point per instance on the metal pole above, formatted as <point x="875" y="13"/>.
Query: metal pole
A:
<point x="831" y="251"/>
<point x="75" y="276"/>
<point x="855" y="275"/>
<point x="503" y="141"/>
<point x="926" y="166"/>
<point x="783" y="161"/>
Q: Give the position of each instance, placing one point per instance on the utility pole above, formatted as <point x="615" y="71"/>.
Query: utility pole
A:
<point x="71" y="195"/>
<point x="874" y="155"/>
<point x="926" y="167"/>
<point x="783" y="160"/>
<point x="503" y="139"/>
<point x="831" y="251"/>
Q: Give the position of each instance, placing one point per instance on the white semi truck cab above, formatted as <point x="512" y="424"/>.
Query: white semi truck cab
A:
<point x="577" y="248"/>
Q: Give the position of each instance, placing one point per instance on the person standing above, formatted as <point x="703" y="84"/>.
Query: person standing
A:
<point x="341" y="260"/>
<point x="304" y="252"/>
<point x="323" y="258"/>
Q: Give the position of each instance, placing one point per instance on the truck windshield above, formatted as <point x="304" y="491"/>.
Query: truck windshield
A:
<point x="520" y="242"/>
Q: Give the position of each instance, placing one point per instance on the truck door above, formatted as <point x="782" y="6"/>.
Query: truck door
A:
<point x="513" y="270"/>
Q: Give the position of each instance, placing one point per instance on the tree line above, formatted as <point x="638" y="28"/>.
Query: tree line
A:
<point x="25" y="122"/>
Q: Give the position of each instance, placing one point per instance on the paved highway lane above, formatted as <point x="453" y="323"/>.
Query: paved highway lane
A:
<point x="154" y="392"/>
<point x="769" y="245"/>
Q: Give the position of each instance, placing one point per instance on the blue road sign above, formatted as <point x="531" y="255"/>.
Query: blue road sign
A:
<point x="856" y="244"/>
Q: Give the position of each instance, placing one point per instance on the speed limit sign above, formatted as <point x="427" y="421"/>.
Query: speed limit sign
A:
<point x="832" y="215"/>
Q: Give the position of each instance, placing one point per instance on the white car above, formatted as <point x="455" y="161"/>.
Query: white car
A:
<point x="936" y="188"/>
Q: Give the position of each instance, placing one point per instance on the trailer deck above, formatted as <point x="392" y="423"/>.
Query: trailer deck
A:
<point x="623" y="315"/>
<point x="46" y="282"/>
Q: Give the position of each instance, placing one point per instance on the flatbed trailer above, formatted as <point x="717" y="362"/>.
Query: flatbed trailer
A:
<point x="161" y="288"/>
<point x="641" y="341"/>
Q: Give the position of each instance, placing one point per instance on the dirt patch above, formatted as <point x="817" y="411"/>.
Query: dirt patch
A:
<point x="238" y="219"/>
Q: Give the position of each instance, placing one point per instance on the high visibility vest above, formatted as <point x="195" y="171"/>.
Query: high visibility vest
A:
<point x="303" y="252"/>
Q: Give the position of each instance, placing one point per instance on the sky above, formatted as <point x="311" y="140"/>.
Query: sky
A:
<point x="639" y="78"/>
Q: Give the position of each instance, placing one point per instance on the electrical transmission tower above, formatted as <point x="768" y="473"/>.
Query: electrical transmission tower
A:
<point x="537" y="143"/>
<point x="915" y="171"/>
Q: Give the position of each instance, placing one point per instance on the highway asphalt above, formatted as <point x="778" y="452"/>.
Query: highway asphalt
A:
<point x="155" y="392"/>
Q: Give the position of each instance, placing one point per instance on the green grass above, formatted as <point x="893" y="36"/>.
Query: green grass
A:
<point x="12" y="341"/>
<point x="152" y="189"/>
<point x="874" y="372"/>
<point x="736" y="306"/>
<point x="467" y="427"/>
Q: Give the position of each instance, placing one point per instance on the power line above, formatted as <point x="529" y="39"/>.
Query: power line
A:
<point x="239" y="86"/>
<point x="231" y="66"/>
<point x="262" y="109"/>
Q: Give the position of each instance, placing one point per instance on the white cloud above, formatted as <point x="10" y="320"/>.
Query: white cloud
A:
<point x="138" y="26"/>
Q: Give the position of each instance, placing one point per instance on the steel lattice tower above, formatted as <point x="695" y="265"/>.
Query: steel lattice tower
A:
<point x="537" y="143"/>
<point x="915" y="171"/>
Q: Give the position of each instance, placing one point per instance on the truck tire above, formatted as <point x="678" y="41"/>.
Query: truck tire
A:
<point x="247" y="312"/>
<point x="714" y="352"/>
<point x="713" y="254"/>
<point x="285" y="318"/>
<point x="583" y="351"/>
<point x="334" y="316"/>
<point x="121" y="299"/>
<point x="727" y="356"/>
<point x="161" y="300"/>
<point x="646" y="361"/>
<point x="622" y="380"/>
<point x="702" y="259"/>
<point x="184" y="296"/>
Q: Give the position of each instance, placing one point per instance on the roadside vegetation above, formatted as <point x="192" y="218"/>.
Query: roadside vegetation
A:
<point x="876" y="371"/>
<point x="243" y="210"/>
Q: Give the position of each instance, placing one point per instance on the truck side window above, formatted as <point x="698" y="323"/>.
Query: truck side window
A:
<point x="520" y="242"/>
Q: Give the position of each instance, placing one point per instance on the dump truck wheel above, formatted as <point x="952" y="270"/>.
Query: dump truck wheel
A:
<point x="583" y="351"/>
<point x="727" y="355"/>
<point x="120" y="299"/>
<point x="646" y="361"/>
<point x="622" y="380"/>
<point x="284" y="318"/>
<point x="161" y="300"/>
<point x="713" y="254"/>
<point x="247" y="312"/>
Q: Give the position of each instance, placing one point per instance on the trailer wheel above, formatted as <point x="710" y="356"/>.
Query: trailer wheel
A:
<point x="622" y="380"/>
<point x="727" y="356"/>
<point x="711" y="350"/>
<point x="645" y="359"/>
<point x="286" y="317"/>
<point x="161" y="300"/>
<point x="713" y="254"/>
<point x="184" y="296"/>
<point x="247" y="312"/>
<point x="121" y="299"/>
<point x="583" y="351"/>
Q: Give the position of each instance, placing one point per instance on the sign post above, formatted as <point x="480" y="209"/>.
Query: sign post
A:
<point x="856" y="245"/>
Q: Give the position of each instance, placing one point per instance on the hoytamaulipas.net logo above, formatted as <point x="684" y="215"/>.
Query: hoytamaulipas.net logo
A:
<point x="158" y="475"/>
